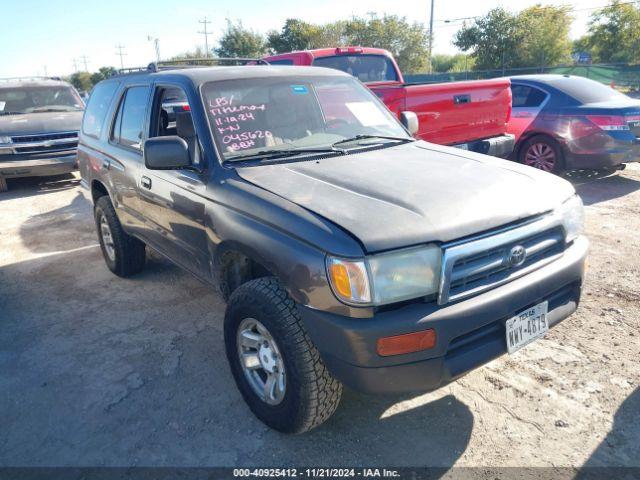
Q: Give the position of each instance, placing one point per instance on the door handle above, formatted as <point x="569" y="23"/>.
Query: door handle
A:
<point x="146" y="182"/>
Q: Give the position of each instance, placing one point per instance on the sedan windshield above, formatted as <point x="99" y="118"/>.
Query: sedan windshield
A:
<point x="264" y="116"/>
<point x="38" y="99"/>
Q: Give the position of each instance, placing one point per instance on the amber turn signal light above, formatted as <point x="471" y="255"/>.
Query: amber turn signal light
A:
<point x="408" y="343"/>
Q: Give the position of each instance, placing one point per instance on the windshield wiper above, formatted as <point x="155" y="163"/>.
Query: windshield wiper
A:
<point x="369" y="136"/>
<point x="271" y="154"/>
<point x="51" y="109"/>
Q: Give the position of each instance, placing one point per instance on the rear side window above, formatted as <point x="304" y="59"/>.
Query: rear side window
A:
<point x="97" y="108"/>
<point x="524" y="96"/>
<point x="127" y="129"/>
<point x="366" y="68"/>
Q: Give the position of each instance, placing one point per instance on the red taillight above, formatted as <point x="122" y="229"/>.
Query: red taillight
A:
<point x="609" y="122"/>
<point x="186" y="108"/>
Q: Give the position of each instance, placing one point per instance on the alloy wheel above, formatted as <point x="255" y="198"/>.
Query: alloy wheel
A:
<point x="107" y="238"/>
<point x="542" y="156"/>
<point x="261" y="361"/>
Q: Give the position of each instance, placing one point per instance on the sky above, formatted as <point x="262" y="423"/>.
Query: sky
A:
<point x="44" y="37"/>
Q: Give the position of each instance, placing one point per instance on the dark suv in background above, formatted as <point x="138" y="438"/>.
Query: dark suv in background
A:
<point x="39" y="123"/>
<point x="348" y="252"/>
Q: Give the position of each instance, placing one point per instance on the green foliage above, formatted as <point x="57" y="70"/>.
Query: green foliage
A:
<point x="408" y="42"/>
<point x="197" y="53"/>
<point x="537" y="36"/>
<point x="614" y="34"/>
<point x="544" y="31"/>
<point x="452" y="63"/>
<point x="492" y="39"/>
<point x="238" y="41"/>
<point x="102" y="74"/>
<point x="81" y="81"/>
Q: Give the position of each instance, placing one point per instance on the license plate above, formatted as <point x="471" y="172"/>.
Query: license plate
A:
<point x="527" y="326"/>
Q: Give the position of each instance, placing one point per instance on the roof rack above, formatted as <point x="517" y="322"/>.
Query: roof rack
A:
<point x="191" y="63"/>
<point x="29" y="79"/>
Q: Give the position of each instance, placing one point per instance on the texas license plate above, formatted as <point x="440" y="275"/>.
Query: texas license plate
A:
<point x="527" y="326"/>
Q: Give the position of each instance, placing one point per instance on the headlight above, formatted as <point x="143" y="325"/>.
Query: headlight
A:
<point x="387" y="277"/>
<point x="572" y="214"/>
<point x="4" y="140"/>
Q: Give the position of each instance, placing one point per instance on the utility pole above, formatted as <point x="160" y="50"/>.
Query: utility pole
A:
<point x="85" y="60"/>
<point x="75" y="65"/>
<point x="156" y="44"/>
<point x="206" y="34"/>
<point x="431" y="37"/>
<point x="120" y="54"/>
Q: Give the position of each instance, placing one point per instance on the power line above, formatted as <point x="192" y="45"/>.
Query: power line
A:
<point x="206" y="34"/>
<point x="120" y="54"/>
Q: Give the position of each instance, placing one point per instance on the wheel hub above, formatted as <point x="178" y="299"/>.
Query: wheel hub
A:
<point x="107" y="238"/>
<point x="541" y="156"/>
<point x="261" y="361"/>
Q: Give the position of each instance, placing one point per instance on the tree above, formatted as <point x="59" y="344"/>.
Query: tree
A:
<point x="102" y="74"/>
<point x="238" y="41"/>
<point x="614" y="33"/>
<point x="408" y="42"/>
<point x="492" y="39"/>
<point x="81" y="81"/>
<point x="452" y="63"/>
<point x="295" y="35"/>
<point x="544" y="33"/>
<point x="197" y="53"/>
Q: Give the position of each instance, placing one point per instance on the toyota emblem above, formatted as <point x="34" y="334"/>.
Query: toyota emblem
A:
<point x="517" y="256"/>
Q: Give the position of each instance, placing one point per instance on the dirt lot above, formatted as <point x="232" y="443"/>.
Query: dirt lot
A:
<point x="96" y="370"/>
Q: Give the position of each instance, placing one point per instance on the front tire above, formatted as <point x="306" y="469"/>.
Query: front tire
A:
<point x="123" y="254"/>
<point x="543" y="153"/>
<point x="277" y="368"/>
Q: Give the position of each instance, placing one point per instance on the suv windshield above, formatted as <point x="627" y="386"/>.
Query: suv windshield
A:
<point x="38" y="99"/>
<point x="258" y="115"/>
<point x="366" y="68"/>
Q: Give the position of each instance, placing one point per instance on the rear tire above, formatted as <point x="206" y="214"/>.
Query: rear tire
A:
<point x="544" y="153"/>
<point x="262" y="312"/>
<point x="123" y="254"/>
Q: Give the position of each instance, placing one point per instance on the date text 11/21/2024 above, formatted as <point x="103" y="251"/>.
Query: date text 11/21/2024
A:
<point x="319" y="472"/>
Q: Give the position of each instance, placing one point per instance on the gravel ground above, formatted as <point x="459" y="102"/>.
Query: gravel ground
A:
<point x="96" y="370"/>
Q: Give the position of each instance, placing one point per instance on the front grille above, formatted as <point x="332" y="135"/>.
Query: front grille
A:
<point x="46" y="142"/>
<point x="478" y="265"/>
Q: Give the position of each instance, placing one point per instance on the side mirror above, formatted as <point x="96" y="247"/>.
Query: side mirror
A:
<point x="166" y="153"/>
<point x="410" y="121"/>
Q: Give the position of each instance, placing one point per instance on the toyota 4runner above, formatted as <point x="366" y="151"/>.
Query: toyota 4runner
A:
<point x="347" y="251"/>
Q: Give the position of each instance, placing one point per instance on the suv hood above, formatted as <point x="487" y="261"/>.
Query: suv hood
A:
<point x="36" y="123"/>
<point x="413" y="193"/>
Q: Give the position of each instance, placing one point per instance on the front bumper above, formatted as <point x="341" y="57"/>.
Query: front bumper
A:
<point x="500" y="146"/>
<point x="469" y="333"/>
<point x="39" y="167"/>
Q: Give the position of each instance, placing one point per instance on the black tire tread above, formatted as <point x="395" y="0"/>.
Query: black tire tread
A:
<point x="320" y="392"/>
<point x="130" y="252"/>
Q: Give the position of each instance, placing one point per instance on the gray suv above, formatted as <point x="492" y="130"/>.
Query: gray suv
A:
<point x="39" y="123"/>
<point x="348" y="252"/>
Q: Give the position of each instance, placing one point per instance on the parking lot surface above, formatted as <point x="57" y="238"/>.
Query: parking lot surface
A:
<point x="100" y="371"/>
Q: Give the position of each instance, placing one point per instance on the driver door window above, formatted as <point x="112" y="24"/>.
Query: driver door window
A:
<point x="129" y="124"/>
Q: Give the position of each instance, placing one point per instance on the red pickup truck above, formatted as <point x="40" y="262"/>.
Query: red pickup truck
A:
<point x="472" y="115"/>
